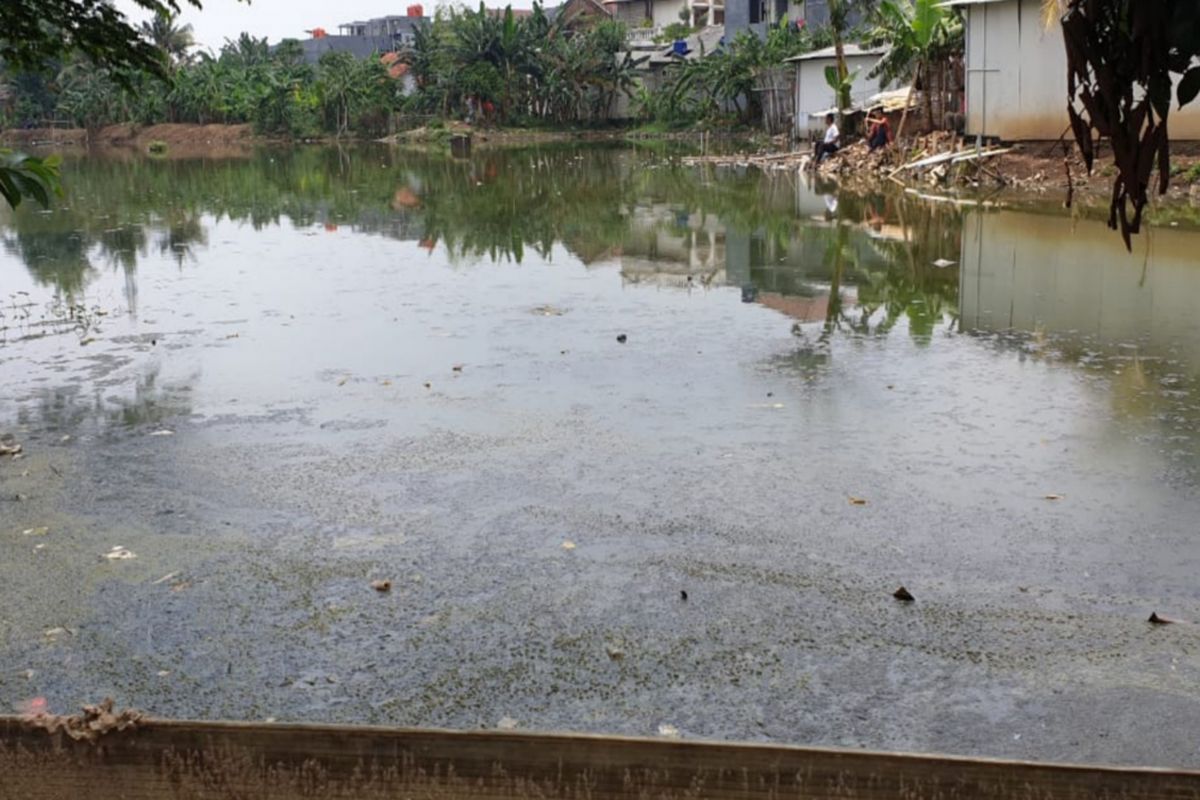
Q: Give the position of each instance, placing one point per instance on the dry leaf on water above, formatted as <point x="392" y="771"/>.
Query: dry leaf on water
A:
<point x="381" y="586"/>
<point x="903" y="595"/>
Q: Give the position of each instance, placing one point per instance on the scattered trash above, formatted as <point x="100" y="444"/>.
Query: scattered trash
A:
<point x="54" y="633"/>
<point x="165" y="578"/>
<point x="1155" y="619"/>
<point x="943" y="263"/>
<point x="10" y="449"/>
<point x="773" y="406"/>
<point x="162" y="673"/>
<point x="386" y="383"/>
<point x="87" y="341"/>
<point x="457" y="368"/>
<point x="891" y="386"/>
<point x="381" y="586"/>
<point x="568" y="545"/>
<point x="903" y="595"/>
<point x="232" y="336"/>
<point x="548" y="311"/>
<point x="614" y="653"/>
<point x="343" y="381"/>
<point x="507" y="724"/>
<point x="668" y="731"/>
<point x="857" y="501"/>
<point x="94" y="722"/>
<point x="35" y="531"/>
<point x="119" y="553"/>
<point x="428" y="385"/>
<point x="622" y="338"/>
<point x="65" y="439"/>
<point x="163" y="432"/>
<point x="38" y="547"/>
<point x="32" y="707"/>
<point x="1054" y="497"/>
<point x="683" y="595"/>
<point x="29" y="673"/>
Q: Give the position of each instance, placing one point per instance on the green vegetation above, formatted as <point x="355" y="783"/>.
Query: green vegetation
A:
<point x="510" y="70"/>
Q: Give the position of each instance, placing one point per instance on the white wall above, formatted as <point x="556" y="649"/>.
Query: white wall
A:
<point x="666" y="12"/>
<point x="813" y="92"/>
<point x="1022" y="95"/>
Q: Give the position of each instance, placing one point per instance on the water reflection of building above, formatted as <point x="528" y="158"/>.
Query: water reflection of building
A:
<point x="668" y="246"/>
<point x="1040" y="272"/>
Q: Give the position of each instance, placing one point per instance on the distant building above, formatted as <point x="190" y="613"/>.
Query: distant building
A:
<point x="757" y="16"/>
<point x="365" y="38"/>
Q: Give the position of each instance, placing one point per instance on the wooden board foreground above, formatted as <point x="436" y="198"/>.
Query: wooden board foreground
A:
<point x="193" y="760"/>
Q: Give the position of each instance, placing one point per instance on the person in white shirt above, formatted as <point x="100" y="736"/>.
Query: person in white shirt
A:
<point x="832" y="139"/>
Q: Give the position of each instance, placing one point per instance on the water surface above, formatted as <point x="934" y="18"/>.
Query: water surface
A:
<point x="276" y="378"/>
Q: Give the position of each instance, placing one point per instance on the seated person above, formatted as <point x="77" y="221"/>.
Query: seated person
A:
<point x="832" y="139"/>
<point x="879" y="130"/>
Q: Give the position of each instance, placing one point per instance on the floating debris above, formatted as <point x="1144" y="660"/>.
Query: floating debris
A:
<point x="614" y="653"/>
<point x="943" y="263"/>
<point x="568" y="545"/>
<point x="548" y="311"/>
<point x="622" y="338"/>
<point x="668" y="731"/>
<point x="42" y="531"/>
<point x="165" y="578"/>
<point x="163" y="432"/>
<point x="683" y="595"/>
<point x="903" y="595"/>
<point x="10" y="449"/>
<point x="1155" y="619"/>
<point x="457" y="368"/>
<point x="94" y="722"/>
<point x="507" y="724"/>
<point x="857" y="501"/>
<point x="1054" y="497"/>
<point x="119" y="553"/>
<point x="381" y="586"/>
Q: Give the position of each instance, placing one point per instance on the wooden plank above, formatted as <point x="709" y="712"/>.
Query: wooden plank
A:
<point x="210" y="760"/>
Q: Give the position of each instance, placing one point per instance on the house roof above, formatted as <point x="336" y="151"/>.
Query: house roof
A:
<point x="851" y="50"/>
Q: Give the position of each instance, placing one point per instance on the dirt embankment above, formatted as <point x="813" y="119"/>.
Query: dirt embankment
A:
<point x="178" y="138"/>
<point x="941" y="161"/>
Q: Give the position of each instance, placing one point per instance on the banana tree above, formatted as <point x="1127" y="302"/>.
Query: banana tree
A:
<point x="917" y="34"/>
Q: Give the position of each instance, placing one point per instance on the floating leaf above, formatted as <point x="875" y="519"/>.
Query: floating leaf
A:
<point x="904" y="595"/>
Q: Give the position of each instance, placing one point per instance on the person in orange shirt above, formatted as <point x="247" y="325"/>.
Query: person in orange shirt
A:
<point x="879" y="130"/>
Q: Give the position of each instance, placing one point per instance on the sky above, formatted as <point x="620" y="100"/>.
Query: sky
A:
<point x="282" y="19"/>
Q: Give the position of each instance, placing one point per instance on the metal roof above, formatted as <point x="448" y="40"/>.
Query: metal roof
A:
<point x="851" y="50"/>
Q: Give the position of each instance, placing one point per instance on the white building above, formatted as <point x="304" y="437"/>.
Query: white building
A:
<point x="813" y="93"/>
<point x="1017" y="74"/>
